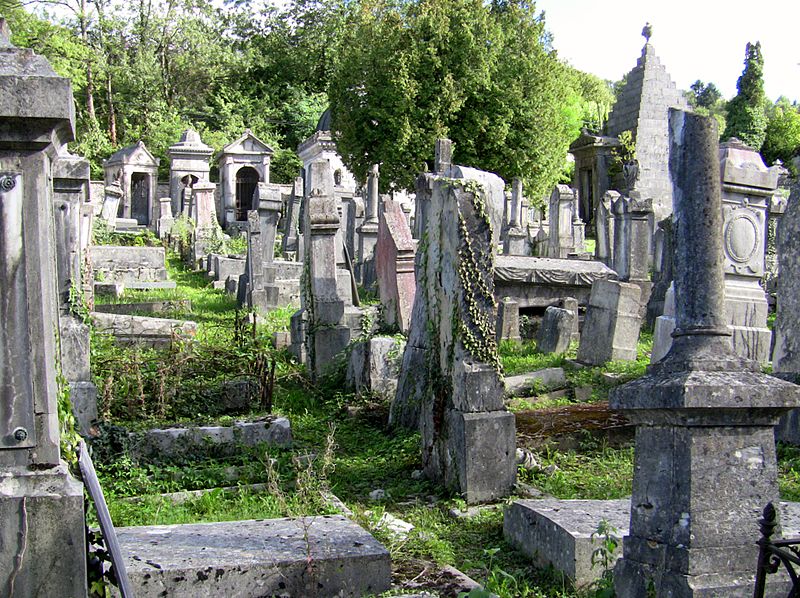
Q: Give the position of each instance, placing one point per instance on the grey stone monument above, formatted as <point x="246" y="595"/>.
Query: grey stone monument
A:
<point x="290" y="230"/>
<point x="368" y="233"/>
<point x="263" y="292"/>
<point x="42" y="536"/>
<point x="188" y="164"/>
<point x="705" y="462"/>
<point x="450" y="386"/>
<point x="555" y="333"/>
<point x="613" y="319"/>
<point x="508" y="320"/>
<point x="632" y="242"/>
<point x="516" y="238"/>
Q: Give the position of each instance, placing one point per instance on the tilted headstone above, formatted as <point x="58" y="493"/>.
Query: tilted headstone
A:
<point x="450" y="386"/>
<point x="704" y="462"/>
<point x="42" y="536"/>
<point x="555" y="332"/>
<point x="611" y="329"/>
<point x="111" y="204"/>
<point x="662" y="276"/>
<point x="397" y="283"/>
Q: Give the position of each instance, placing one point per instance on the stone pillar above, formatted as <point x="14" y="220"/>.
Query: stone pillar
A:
<point x="663" y="256"/>
<point x="326" y="336"/>
<point x="747" y="187"/>
<point x="368" y="233"/>
<point x="516" y="239"/>
<point x="263" y="293"/>
<point x="165" y="218"/>
<point x="290" y="232"/>
<point x="705" y="462"/>
<point x="422" y="205"/>
<point x="443" y="157"/>
<point x="604" y="228"/>
<point x="42" y="537"/>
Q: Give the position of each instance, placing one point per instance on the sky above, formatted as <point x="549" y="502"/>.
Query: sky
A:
<point x="695" y="39"/>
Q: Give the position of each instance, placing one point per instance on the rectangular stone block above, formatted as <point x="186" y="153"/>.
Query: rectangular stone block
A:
<point x="559" y="532"/>
<point x="611" y="329"/>
<point x="323" y="556"/>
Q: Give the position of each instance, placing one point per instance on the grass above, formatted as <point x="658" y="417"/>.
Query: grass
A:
<point x="366" y="455"/>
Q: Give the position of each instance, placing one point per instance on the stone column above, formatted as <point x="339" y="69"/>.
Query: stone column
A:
<point x="443" y="157"/>
<point x="326" y="336"/>
<point x="42" y="536"/>
<point x="516" y="241"/>
<point x="604" y="228"/>
<point x="289" y="244"/>
<point x="705" y="461"/>
<point x="368" y="233"/>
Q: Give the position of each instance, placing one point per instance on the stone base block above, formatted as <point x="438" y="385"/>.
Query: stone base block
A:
<point x="483" y="451"/>
<point x="256" y="558"/>
<point x="559" y="532"/>
<point x="662" y="338"/>
<point x="141" y="330"/>
<point x="374" y="366"/>
<point x="149" y="307"/>
<point x="175" y="442"/>
<point x="328" y="342"/>
<point x="149" y="285"/>
<point x="42" y="522"/>
<point x="751" y="342"/>
<point x="218" y="285"/>
<point x="266" y="299"/>
<point x="547" y="379"/>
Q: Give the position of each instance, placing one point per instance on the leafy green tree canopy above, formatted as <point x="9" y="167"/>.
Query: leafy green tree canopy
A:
<point x="782" y="141"/>
<point x="480" y="73"/>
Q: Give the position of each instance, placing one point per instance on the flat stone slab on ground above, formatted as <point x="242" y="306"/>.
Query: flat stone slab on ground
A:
<point x="174" y="442"/>
<point x="150" y="307"/>
<point x="143" y="330"/>
<point x="255" y="558"/>
<point x="548" y="378"/>
<point x="559" y="532"/>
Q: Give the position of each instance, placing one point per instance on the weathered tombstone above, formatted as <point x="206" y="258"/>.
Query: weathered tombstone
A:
<point x="450" y="386"/>
<point x="262" y="291"/>
<point x="205" y="219"/>
<point x="111" y="204"/>
<point x="368" y="233"/>
<point x="664" y="327"/>
<point x="555" y="332"/>
<point x="571" y="304"/>
<point x="374" y="366"/>
<point x="516" y="238"/>
<point x="632" y="242"/>
<point x="42" y="536"/>
<point x="747" y="186"/>
<point x="611" y="329"/>
<point x="397" y="283"/>
<point x="561" y="240"/>
<point x="508" y="320"/>
<point x="662" y="277"/>
<point x="705" y="461"/>
<point x="165" y="218"/>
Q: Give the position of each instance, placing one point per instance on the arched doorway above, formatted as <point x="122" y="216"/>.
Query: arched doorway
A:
<point x="247" y="179"/>
<point x="140" y="194"/>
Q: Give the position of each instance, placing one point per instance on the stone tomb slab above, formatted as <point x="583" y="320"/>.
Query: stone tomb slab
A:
<point x="255" y="558"/>
<point x="541" y="282"/>
<point x="559" y="532"/>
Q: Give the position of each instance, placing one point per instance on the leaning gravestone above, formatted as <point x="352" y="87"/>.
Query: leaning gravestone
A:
<point x="450" y="386"/>
<point x="42" y="535"/>
<point x="556" y="330"/>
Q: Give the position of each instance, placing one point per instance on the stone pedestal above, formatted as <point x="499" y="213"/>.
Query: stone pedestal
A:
<point x="556" y="331"/>
<point x="368" y="232"/>
<point x="508" y="320"/>
<point x="397" y="283"/>
<point x="42" y="536"/>
<point x="705" y="462"/>
<point x="165" y="218"/>
<point x="604" y="228"/>
<point x="563" y="206"/>
<point x="263" y="293"/>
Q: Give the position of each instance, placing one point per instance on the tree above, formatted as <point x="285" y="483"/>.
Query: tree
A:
<point x="782" y="140"/>
<point x="704" y="95"/>
<point x="746" y="116"/>
<point x="478" y="72"/>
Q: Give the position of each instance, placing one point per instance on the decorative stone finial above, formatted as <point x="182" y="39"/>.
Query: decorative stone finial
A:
<point x="647" y="32"/>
